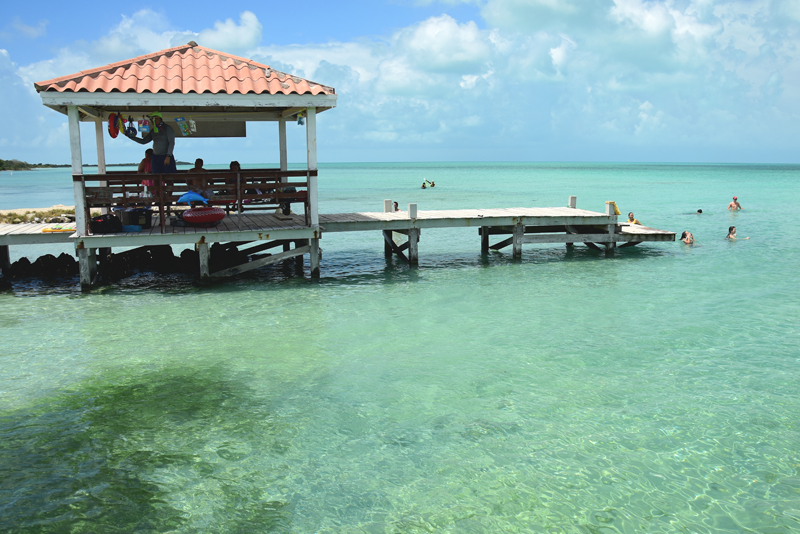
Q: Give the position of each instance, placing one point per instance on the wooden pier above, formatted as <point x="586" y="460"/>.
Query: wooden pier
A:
<point x="257" y="232"/>
<point x="221" y="110"/>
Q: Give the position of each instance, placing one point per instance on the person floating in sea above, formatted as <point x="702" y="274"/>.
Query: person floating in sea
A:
<point x="700" y="211"/>
<point x="396" y="207"/>
<point x="732" y="233"/>
<point x="632" y="219"/>
<point x="430" y="183"/>
<point x="734" y="205"/>
<point x="163" y="138"/>
<point x="424" y="184"/>
<point x="687" y="238"/>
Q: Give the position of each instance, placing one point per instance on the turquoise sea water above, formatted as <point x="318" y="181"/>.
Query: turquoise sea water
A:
<point x="651" y="390"/>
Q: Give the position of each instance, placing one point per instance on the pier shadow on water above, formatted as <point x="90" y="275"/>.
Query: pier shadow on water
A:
<point x="167" y="451"/>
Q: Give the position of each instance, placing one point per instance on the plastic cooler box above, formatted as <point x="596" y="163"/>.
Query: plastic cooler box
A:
<point x="135" y="216"/>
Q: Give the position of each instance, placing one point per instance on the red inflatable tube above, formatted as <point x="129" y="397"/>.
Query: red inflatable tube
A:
<point x="113" y="127"/>
<point x="203" y="215"/>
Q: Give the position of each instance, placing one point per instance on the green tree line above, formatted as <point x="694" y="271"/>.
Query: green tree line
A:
<point x="17" y="165"/>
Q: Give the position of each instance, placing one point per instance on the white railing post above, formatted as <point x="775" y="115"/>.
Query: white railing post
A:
<point x="311" y="146"/>
<point x="78" y="188"/>
<point x="612" y="227"/>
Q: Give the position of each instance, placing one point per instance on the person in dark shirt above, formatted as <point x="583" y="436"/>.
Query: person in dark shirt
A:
<point x="163" y="138"/>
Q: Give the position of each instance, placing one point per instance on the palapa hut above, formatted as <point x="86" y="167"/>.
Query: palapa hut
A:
<point x="221" y="93"/>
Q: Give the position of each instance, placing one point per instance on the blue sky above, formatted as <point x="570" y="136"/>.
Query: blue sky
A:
<point x="451" y="80"/>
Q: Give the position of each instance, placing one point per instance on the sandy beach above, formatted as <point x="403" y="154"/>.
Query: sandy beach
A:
<point x="23" y="211"/>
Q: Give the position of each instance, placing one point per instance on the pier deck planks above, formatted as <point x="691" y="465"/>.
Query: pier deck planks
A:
<point x="256" y="226"/>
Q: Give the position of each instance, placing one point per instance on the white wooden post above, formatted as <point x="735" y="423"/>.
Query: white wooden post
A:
<point x="87" y="265"/>
<point x="413" y="246"/>
<point x="484" y="231"/>
<point x="573" y="203"/>
<point x="204" y="254"/>
<point x="101" y="149"/>
<point x="314" y="257"/>
<point x="611" y="245"/>
<point x="387" y="234"/>
<point x="101" y="152"/>
<point x="78" y="190"/>
<point x="282" y="145"/>
<point x="311" y="146"/>
<point x="519" y="232"/>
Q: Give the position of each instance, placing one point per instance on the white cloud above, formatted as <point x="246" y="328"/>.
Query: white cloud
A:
<point x="469" y="81"/>
<point x="652" y="17"/>
<point x="441" y="44"/>
<point x="227" y="35"/>
<point x="600" y="74"/>
<point x="30" y="31"/>
<point x="560" y="53"/>
<point x="144" y="32"/>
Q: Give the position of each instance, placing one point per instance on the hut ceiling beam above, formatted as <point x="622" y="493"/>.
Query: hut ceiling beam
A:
<point x="187" y="102"/>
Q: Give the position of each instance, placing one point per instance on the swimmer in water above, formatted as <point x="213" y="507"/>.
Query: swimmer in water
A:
<point x="687" y="238"/>
<point x="734" y="205"/>
<point x="732" y="234"/>
<point x="632" y="219"/>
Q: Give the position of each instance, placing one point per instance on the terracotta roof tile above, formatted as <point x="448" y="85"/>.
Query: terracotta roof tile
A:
<point x="185" y="69"/>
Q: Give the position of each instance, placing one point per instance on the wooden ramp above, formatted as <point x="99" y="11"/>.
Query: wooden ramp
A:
<point x="31" y="234"/>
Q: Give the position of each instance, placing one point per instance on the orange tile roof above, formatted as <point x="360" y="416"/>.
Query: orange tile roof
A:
<point x="189" y="68"/>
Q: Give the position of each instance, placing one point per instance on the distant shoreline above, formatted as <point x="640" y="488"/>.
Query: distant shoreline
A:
<point x="67" y="165"/>
<point x="23" y="211"/>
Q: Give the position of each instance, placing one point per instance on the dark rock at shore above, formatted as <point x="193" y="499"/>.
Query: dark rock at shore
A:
<point x="20" y="269"/>
<point x="68" y="265"/>
<point x="225" y="257"/>
<point x="190" y="262"/>
<point x="115" y="267"/>
<point x="46" y="267"/>
<point x="164" y="261"/>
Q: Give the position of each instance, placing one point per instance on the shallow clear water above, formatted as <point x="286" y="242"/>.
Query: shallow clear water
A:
<point x="653" y="390"/>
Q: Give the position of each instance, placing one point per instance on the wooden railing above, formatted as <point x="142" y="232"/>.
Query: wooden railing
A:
<point x="239" y="191"/>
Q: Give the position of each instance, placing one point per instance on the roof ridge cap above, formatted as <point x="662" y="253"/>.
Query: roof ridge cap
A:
<point x="232" y="56"/>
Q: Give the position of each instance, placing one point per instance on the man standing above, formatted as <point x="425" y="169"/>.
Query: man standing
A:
<point x="734" y="205"/>
<point x="163" y="137"/>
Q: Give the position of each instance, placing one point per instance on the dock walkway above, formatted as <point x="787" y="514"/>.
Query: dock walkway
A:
<point x="518" y="226"/>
